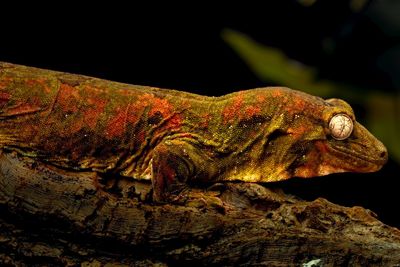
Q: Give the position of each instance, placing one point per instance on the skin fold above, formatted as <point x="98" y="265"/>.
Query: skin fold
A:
<point x="174" y="138"/>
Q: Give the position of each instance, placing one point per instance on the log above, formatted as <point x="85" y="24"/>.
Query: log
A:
<point x="68" y="218"/>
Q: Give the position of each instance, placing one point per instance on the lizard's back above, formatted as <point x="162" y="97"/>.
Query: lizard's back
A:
<point x="81" y="122"/>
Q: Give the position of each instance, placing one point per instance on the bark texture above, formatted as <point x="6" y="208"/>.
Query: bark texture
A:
<point x="48" y="217"/>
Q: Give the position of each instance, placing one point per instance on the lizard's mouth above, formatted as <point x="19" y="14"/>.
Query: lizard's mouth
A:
<point x="360" y="156"/>
<point x="357" y="151"/>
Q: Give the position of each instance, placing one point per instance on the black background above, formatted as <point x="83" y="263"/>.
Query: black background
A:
<point x="181" y="48"/>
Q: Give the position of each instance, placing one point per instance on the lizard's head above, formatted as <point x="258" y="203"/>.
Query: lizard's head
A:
<point x="338" y="143"/>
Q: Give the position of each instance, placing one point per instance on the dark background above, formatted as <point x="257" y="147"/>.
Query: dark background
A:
<point x="181" y="48"/>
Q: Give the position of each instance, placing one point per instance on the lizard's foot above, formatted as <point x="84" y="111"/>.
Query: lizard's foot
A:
<point x="177" y="195"/>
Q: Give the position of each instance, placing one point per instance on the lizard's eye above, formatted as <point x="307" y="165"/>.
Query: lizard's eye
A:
<point x="341" y="126"/>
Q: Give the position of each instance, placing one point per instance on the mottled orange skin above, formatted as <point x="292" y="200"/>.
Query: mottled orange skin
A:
<point x="174" y="138"/>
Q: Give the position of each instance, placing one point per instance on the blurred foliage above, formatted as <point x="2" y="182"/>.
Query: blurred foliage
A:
<point x="382" y="110"/>
<point x="355" y="5"/>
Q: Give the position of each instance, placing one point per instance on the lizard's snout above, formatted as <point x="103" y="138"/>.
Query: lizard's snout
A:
<point x="382" y="155"/>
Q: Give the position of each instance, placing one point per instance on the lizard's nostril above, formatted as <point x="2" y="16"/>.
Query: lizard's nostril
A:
<point x="383" y="156"/>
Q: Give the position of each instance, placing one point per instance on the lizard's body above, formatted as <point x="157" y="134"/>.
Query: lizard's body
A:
<point x="260" y="135"/>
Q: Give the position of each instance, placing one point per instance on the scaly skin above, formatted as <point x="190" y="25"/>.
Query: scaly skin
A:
<point x="173" y="138"/>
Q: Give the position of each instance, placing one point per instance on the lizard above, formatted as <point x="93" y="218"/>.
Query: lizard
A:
<point x="174" y="138"/>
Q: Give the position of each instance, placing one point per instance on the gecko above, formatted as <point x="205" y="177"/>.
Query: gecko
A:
<point x="174" y="138"/>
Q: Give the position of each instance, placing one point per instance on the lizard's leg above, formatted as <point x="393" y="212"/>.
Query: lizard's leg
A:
<point x="174" y="163"/>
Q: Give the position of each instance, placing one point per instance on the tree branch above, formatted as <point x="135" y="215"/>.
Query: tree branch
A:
<point x="57" y="217"/>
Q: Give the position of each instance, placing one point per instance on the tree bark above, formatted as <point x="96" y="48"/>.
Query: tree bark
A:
<point x="52" y="217"/>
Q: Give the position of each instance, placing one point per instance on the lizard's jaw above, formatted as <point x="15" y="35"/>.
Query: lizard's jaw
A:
<point x="329" y="157"/>
<point x="360" y="153"/>
<point x="355" y="160"/>
<point x="336" y="158"/>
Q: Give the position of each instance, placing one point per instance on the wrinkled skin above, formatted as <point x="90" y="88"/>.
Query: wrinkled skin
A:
<point x="80" y="123"/>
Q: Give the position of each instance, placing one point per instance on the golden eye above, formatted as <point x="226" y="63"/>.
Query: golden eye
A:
<point x="341" y="126"/>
